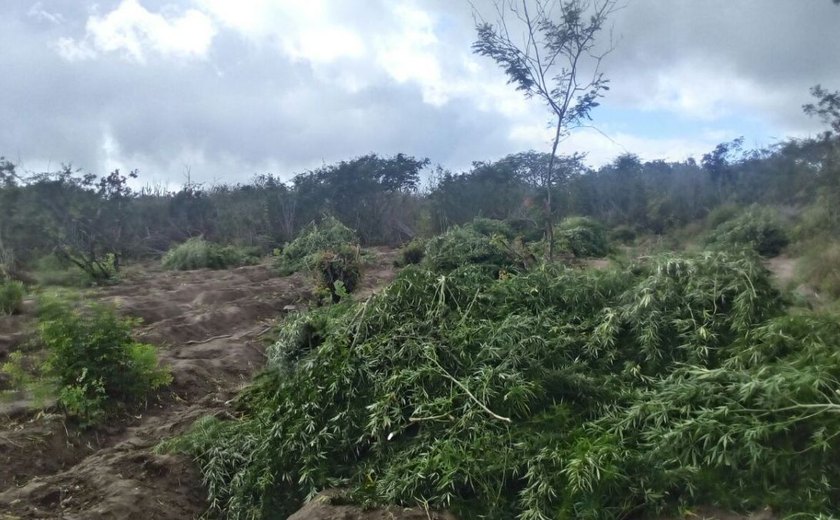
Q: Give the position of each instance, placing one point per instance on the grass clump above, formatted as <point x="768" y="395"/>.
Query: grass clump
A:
<point x="582" y="237"/>
<point x="11" y="296"/>
<point x="759" y="228"/>
<point x="555" y="393"/>
<point x="52" y="271"/>
<point x="198" y="253"/>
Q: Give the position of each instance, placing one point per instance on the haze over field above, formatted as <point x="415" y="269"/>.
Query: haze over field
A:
<point x="228" y="89"/>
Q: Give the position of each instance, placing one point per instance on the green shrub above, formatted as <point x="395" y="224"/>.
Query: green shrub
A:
<point x="412" y="253"/>
<point x="464" y="246"/>
<point x="94" y="361"/>
<point x="491" y="227"/>
<point x="759" y="228"/>
<point x="557" y="393"/>
<point x="302" y="252"/>
<point x="11" y="296"/>
<point x="581" y="236"/>
<point x="528" y="229"/>
<point x="197" y="253"/>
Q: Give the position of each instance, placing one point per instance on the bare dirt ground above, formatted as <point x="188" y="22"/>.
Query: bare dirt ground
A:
<point x="211" y="328"/>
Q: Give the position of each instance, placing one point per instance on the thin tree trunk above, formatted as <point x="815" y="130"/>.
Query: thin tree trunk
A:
<point x="549" y="224"/>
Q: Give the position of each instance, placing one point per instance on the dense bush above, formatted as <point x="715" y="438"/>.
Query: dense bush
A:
<point x="94" y="360"/>
<point x="463" y="246"/>
<point x="302" y="252"/>
<point x="197" y="253"/>
<point x="758" y="228"/>
<point x="582" y="237"/>
<point x="490" y="227"/>
<point x="558" y="393"/>
<point x="412" y="253"/>
<point x="11" y="296"/>
<point x="528" y="229"/>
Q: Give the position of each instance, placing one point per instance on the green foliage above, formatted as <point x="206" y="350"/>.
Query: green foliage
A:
<point x="303" y="252"/>
<point x="463" y="246"/>
<point x="557" y="393"/>
<point x="819" y="267"/>
<point x="337" y="271"/>
<point x="330" y="251"/>
<point x="490" y="227"/>
<point x="94" y="361"/>
<point x="412" y="253"/>
<point x="623" y="234"/>
<point x="721" y="214"/>
<point x="582" y="236"/>
<point x="758" y="228"/>
<point x="16" y="370"/>
<point x="52" y="271"/>
<point x="11" y="296"/>
<point x="197" y="253"/>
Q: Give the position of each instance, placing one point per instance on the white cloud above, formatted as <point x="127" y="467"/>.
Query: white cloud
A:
<point x="134" y="30"/>
<point x="38" y="12"/>
<point x="693" y="90"/>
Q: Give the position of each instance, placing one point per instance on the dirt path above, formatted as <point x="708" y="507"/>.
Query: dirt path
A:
<point x="210" y="327"/>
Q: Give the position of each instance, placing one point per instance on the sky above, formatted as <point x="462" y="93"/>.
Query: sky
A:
<point x="221" y="90"/>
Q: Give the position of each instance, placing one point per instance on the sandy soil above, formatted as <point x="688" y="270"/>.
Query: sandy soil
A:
<point x="211" y="327"/>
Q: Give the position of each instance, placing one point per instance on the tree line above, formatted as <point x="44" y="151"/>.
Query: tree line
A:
<point x="97" y="222"/>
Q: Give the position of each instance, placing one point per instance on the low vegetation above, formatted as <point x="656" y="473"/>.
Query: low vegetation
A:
<point x="412" y="253"/>
<point x="330" y="251"/>
<point x="582" y="237"/>
<point x="557" y="392"/>
<point x="759" y="228"/>
<point x="92" y="364"/>
<point x="819" y="268"/>
<point x="198" y="253"/>
<point x="11" y="296"/>
<point x="465" y="246"/>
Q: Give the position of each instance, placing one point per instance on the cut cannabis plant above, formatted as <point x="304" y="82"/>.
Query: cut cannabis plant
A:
<point x="553" y="393"/>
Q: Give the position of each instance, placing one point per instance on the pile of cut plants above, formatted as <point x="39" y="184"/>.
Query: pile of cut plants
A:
<point x="672" y="383"/>
<point x="329" y="251"/>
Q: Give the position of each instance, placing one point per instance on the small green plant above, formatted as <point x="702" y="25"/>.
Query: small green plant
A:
<point x="11" y="296"/>
<point x="16" y="371"/>
<point x="197" y="253"/>
<point x="758" y="228"/>
<point x="94" y="361"/>
<point x="582" y="237"/>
